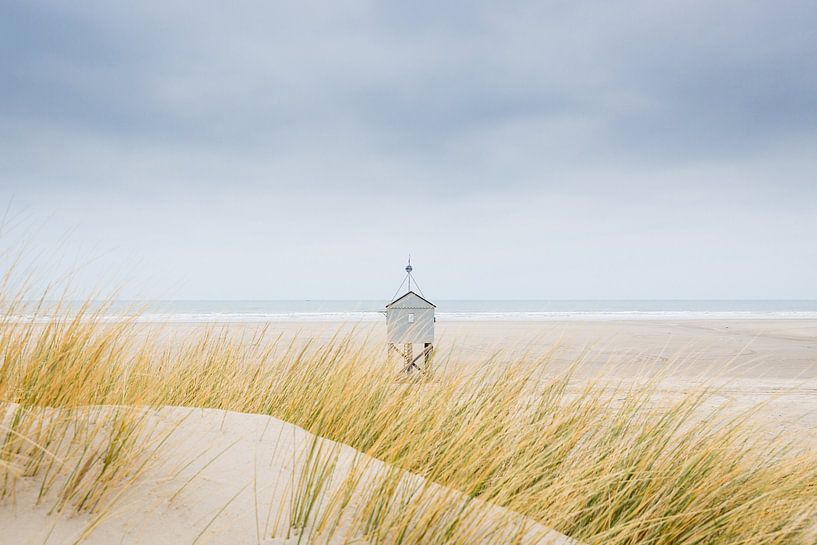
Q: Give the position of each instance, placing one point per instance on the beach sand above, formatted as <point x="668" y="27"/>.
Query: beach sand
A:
<point x="739" y="349"/>
<point x="769" y="362"/>
<point x="221" y="474"/>
<point x="227" y="478"/>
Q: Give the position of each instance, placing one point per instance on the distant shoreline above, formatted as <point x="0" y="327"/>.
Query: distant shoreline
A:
<point x="353" y="311"/>
<point x="370" y="317"/>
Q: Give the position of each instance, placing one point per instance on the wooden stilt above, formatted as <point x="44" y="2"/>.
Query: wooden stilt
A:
<point x="408" y="353"/>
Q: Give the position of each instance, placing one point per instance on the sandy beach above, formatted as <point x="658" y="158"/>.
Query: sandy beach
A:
<point x="389" y="273"/>
<point x="771" y="362"/>
<point x="768" y="362"/>
<point x="773" y="349"/>
<point x="226" y="477"/>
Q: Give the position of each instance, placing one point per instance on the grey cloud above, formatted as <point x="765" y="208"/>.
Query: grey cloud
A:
<point x="492" y="118"/>
<point x="417" y="77"/>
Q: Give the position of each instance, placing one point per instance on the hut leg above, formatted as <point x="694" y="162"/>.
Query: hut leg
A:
<point x="427" y="348"/>
<point x="409" y="355"/>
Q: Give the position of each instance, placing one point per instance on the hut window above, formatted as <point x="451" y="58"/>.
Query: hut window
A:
<point x="411" y="318"/>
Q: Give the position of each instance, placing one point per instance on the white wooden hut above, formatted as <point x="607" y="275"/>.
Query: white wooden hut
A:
<point x="409" y="321"/>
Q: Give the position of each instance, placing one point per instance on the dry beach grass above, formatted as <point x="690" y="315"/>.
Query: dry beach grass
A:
<point x="86" y="417"/>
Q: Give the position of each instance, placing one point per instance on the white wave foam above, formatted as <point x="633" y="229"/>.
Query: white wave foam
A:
<point x="371" y="316"/>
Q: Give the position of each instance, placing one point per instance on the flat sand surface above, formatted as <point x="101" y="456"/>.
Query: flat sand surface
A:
<point x="772" y="362"/>
<point x="768" y="362"/>
<point x="769" y="350"/>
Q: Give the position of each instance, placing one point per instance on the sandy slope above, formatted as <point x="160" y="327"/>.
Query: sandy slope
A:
<point x="226" y="478"/>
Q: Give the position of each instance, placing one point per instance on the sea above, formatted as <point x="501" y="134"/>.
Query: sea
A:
<point x="460" y="310"/>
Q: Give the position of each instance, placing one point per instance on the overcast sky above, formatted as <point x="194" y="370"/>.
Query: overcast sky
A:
<point x="265" y="150"/>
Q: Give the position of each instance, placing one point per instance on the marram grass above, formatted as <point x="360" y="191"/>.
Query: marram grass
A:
<point x="600" y="464"/>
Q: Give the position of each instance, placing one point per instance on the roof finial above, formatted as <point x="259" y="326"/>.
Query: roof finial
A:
<point x="409" y="268"/>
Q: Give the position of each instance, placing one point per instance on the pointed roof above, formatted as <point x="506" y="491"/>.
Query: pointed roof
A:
<point x="411" y="293"/>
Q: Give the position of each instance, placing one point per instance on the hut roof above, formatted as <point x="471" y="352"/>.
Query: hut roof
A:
<point x="411" y="293"/>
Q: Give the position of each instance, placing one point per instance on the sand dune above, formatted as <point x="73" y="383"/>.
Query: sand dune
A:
<point x="228" y="478"/>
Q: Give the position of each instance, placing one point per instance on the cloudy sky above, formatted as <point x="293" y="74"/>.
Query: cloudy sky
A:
<point x="523" y="149"/>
